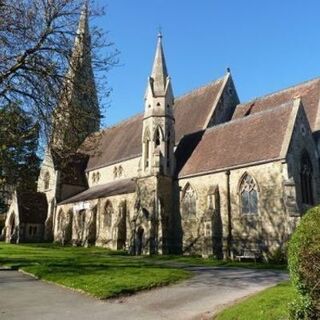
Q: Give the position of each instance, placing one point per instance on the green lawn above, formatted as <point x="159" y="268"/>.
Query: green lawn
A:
<point x="197" y="260"/>
<point x="97" y="271"/>
<point x="104" y="273"/>
<point x="270" y="304"/>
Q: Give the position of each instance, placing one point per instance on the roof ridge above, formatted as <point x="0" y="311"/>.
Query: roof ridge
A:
<point x="131" y="118"/>
<point x="267" y="95"/>
<point x="253" y="115"/>
<point x="213" y="82"/>
<point x="176" y="98"/>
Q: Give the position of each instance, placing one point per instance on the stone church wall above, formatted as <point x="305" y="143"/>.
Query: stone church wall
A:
<point x="102" y="222"/>
<point x="226" y="104"/>
<point x="302" y="141"/>
<point x="116" y="171"/>
<point x="266" y="229"/>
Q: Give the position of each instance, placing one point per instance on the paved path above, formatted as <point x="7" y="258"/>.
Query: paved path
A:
<point x="25" y="298"/>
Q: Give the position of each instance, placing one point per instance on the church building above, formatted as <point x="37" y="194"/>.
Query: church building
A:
<point x="197" y="174"/>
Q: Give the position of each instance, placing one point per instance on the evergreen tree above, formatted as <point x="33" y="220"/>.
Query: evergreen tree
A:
<point x="19" y="163"/>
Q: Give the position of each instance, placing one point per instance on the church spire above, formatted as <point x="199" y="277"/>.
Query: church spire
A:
<point x="77" y="114"/>
<point x="158" y="122"/>
<point x="159" y="70"/>
<point x="81" y="52"/>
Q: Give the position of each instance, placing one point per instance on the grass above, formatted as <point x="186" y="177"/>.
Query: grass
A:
<point x="270" y="304"/>
<point x="96" y="271"/>
<point x="197" y="260"/>
<point x="104" y="273"/>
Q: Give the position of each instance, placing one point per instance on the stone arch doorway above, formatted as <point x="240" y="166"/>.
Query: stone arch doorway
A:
<point x="122" y="227"/>
<point x="139" y="241"/>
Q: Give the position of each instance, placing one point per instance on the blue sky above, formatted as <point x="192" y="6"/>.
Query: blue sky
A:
<point x="268" y="45"/>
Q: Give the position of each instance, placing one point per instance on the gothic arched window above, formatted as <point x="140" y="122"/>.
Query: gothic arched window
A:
<point x="157" y="137"/>
<point x="248" y="195"/>
<point x="115" y="172"/>
<point x="60" y="219"/>
<point x="120" y="171"/>
<point x="146" y="141"/>
<point x="46" y="180"/>
<point x="108" y="211"/>
<point x="306" y="179"/>
<point x="189" y="205"/>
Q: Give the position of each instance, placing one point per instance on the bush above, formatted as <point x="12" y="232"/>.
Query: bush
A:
<point x="279" y="256"/>
<point x="304" y="266"/>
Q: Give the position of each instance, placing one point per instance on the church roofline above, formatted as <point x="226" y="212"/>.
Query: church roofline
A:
<point x="210" y="139"/>
<point x="242" y="165"/>
<point x="251" y="116"/>
<point x="184" y="95"/>
<point x="269" y="95"/>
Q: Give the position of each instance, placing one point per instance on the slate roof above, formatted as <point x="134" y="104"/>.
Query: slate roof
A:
<point x="32" y="206"/>
<point x="123" y="186"/>
<point x="251" y="139"/>
<point x="123" y="141"/>
<point x="309" y="92"/>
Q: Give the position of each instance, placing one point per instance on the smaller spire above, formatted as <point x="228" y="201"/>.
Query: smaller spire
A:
<point x="159" y="70"/>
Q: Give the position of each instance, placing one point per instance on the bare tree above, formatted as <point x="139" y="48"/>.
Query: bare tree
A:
<point x="36" y="40"/>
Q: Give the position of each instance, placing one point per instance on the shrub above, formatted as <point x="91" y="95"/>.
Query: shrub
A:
<point x="304" y="266"/>
<point x="278" y="256"/>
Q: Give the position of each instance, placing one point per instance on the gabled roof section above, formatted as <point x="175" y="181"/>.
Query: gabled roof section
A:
<point x="192" y="110"/>
<point x="123" y="141"/>
<point x="309" y="92"/>
<point x="255" y="139"/>
<point x="123" y="186"/>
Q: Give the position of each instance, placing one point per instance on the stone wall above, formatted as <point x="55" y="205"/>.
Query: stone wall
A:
<point x="119" y="170"/>
<point x="226" y="104"/>
<point x="302" y="141"/>
<point x="266" y="229"/>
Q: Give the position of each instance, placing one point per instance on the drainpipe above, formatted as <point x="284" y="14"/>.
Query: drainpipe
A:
<point x="229" y="238"/>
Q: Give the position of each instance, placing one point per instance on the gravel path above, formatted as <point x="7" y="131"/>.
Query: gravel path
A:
<point x="25" y="298"/>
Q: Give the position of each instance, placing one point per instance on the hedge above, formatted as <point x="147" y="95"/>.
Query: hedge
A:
<point x="304" y="266"/>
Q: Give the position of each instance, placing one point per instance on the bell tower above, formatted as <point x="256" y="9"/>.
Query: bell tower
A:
<point x="157" y="165"/>
<point x="158" y="135"/>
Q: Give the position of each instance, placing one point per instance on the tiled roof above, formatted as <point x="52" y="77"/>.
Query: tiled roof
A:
<point x="123" y="141"/>
<point x="309" y="92"/>
<point x="105" y="190"/>
<point x="32" y="207"/>
<point x="255" y="138"/>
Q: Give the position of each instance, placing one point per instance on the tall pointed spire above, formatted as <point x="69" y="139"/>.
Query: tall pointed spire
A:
<point x="159" y="70"/>
<point x="78" y="114"/>
<point x="81" y="52"/>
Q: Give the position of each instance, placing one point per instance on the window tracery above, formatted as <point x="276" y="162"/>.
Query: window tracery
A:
<point x="248" y="195"/>
<point x="108" y="212"/>
<point x="189" y="209"/>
